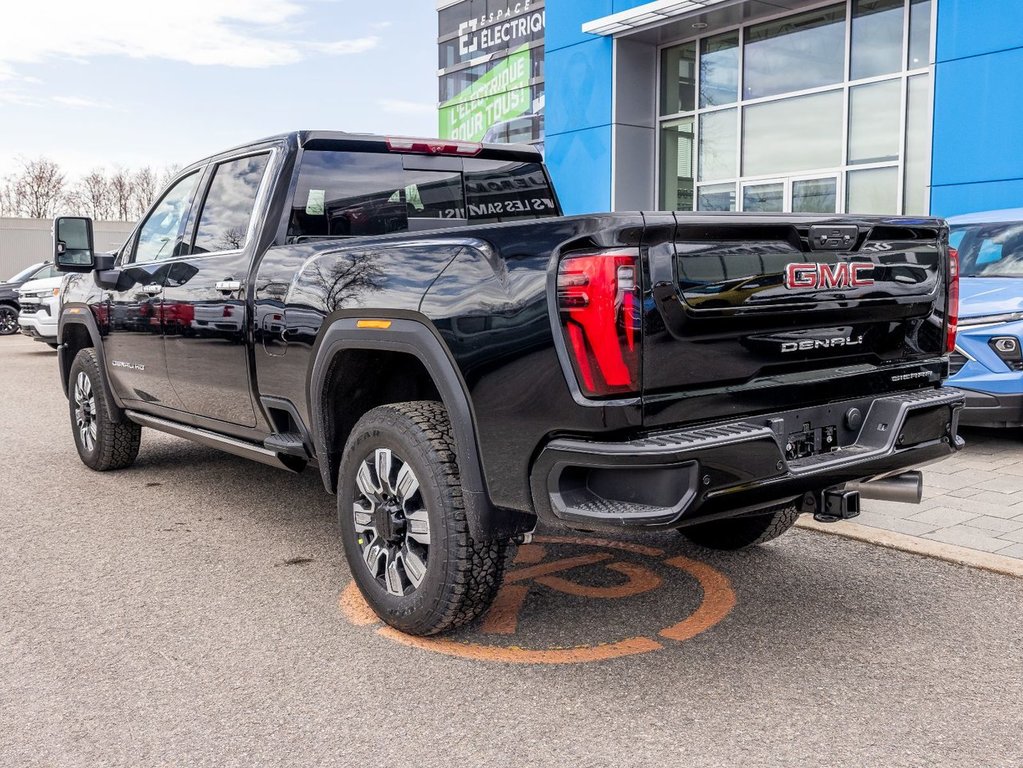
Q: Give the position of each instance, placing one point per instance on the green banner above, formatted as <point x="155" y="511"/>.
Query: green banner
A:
<point x="501" y="94"/>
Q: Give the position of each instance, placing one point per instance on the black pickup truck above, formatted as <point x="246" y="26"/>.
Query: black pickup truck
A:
<point x="416" y="319"/>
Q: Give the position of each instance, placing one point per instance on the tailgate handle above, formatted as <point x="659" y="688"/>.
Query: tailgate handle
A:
<point x="840" y="237"/>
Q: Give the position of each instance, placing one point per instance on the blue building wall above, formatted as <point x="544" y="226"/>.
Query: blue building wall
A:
<point x="978" y="107"/>
<point x="578" y="71"/>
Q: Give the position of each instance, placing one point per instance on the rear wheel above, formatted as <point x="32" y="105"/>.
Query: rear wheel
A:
<point x="102" y="443"/>
<point x="8" y="320"/>
<point x="404" y="526"/>
<point x="741" y="532"/>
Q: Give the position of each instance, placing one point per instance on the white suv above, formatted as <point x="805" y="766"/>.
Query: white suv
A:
<point x="40" y="307"/>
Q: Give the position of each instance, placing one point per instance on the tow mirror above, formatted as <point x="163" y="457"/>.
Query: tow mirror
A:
<point x="73" y="249"/>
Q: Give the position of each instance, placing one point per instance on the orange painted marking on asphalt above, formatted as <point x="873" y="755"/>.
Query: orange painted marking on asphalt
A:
<point x="355" y="608"/>
<point x="640" y="580"/>
<point x="718" y="599"/>
<point x="543" y="569"/>
<point x="512" y="655"/>
<point x="530" y="554"/>
<point x="502" y="619"/>
<point x="503" y="616"/>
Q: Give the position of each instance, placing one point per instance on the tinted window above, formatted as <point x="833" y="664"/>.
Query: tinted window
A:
<point x="160" y="233"/>
<point x="353" y="194"/>
<point x="498" y="190"/>
<point x="224" y="221"/>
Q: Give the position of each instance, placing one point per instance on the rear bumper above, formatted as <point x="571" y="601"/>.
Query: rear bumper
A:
<point x="672" y="479"/>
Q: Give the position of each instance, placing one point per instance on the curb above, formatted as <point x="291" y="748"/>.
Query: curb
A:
<point x="985" y="561"/>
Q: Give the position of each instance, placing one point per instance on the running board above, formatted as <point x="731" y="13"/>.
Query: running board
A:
<point x="212" y="439"/>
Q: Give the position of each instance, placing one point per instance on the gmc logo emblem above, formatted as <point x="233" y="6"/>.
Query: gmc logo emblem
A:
<point x="842" y="275"/>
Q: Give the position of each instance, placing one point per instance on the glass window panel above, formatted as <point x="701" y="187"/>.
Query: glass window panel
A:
<point x="718" y="149"/>
<point x="872" y="191"/>
<point x="160" y="234"/>
<point x="815" y="195"/>
<point x="678" y="79"/>
<point x="875" y="121"/>
<point x="224" y="221"/>
<point x="876" y="37"/>
<point x="764" y="198"/>
<point x="677" y="166"/>
<point x="716" y="197"/>
<point x="795" y="53"/>
<point x="918" y="146"/>
<point x="719" y="70"/>
<point x="919" y="33"/>
<point x="800" y="134"/>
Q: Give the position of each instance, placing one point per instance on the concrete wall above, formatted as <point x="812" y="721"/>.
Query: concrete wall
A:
<point x="978" y="107"/>
<point x="26" y="241"/>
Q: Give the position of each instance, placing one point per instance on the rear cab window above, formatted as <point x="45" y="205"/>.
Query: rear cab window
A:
<point x="355" y="194"/>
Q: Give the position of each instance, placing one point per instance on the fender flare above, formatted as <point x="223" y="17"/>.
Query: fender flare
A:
<point x="421" y="340"/>
<point x="80" y="314"/>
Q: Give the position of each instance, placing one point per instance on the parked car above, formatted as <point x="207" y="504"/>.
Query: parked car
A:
<point x="9" y="305"/>
<point x="472" y="360"/>
<point x="40" y="305"/>
<point x="988" y="362"/>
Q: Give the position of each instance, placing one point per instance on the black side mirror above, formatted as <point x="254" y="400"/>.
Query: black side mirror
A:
<point x="73" y="249"/>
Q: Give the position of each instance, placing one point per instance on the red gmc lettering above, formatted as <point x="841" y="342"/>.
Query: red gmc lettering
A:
<point x="843" y="275"/>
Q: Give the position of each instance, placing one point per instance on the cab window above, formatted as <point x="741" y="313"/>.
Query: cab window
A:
<point x="227" y="210"/>
<point x="160" y="234"/>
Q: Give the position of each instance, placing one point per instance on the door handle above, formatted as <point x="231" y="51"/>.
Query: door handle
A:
<point x="229" y="286"/>
<point x="153" y="289"/>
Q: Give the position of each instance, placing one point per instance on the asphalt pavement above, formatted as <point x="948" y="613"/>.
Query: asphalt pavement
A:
<point x="193" y="611"/>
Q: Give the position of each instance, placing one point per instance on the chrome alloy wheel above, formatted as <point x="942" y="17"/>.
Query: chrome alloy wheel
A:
<point x="85" y="411"/>
<point x="391" y="523"/>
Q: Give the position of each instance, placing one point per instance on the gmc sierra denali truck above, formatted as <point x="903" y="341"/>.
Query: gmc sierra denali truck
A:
<point x="417" y="320"/>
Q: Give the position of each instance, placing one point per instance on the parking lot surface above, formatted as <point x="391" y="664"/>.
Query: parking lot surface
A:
<point x="193" y="611"/>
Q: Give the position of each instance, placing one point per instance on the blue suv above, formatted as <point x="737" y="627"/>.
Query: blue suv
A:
<point x="987" y="361"/>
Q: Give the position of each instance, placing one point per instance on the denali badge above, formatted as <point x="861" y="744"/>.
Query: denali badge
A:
<point x="843" y="275"/>
<point x="810" y="344"/>
<point x="129" y="366"/>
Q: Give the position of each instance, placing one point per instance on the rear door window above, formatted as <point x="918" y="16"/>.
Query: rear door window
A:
<point x="226" y="211"/>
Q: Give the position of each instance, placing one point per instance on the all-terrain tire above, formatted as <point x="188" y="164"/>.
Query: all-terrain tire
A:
<point x="110" y="444"/>
<point x="462" y="576"/>
<point x="741" y="532"/>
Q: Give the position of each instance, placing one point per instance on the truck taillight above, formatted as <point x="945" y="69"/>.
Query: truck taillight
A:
<point x="953" y="299"/>
<point x="599" y="302"/>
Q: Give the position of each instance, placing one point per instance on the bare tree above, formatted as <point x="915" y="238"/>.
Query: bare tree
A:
<point x="38" y="190"/>
<point x="169" y="172"/>
<point x="121" y="194"/>
<point x="144" y="188"/>
<point x="8" y="198"/>
<point x="92" y="195"/>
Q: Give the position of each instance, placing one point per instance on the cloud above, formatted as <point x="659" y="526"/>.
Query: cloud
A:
<point x="81" y="103"/>
<point x="381" y="24"/>
<point x="401" y="107"/>
<point x="233" y="33"/>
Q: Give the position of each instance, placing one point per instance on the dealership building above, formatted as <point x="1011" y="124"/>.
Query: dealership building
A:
<point x="860" y="106"/>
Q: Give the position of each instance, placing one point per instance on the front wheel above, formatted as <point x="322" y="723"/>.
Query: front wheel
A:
<point x="102" y="443"/>
<point x="403" y="522"/>
<point x="740" y="532"/>
<point x="8" y="320"/>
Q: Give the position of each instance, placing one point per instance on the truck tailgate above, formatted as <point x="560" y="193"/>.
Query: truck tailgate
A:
<point x="752" y="311"/>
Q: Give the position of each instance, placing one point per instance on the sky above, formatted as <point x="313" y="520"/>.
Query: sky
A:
<point x="109" y="83"/>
